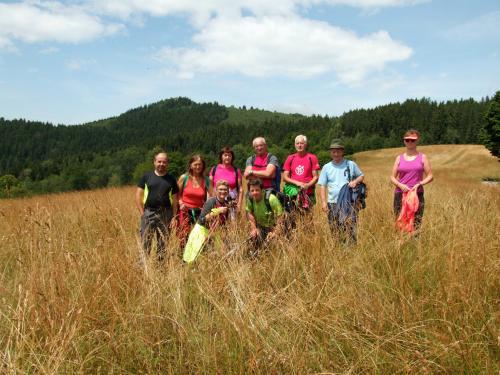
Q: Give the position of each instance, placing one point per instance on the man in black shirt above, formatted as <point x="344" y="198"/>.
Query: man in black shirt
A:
<point x="157" y="201"/>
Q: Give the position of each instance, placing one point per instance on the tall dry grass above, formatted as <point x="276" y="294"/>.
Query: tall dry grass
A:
<point x="76" y="299"/>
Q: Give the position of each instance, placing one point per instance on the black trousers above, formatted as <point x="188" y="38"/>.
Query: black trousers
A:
<point x="155" y="224"/>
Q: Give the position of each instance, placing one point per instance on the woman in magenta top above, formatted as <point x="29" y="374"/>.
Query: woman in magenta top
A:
<point x="411" y="170"/>
<point x="194" y="188"/>
<point x="301" y="169"/>
<point x="226" y="170"/>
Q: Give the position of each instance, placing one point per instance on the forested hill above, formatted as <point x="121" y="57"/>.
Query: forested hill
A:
<point x="40" y="157"/>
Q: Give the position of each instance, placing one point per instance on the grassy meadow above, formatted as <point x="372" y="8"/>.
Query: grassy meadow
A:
<point x="76" y="299"/>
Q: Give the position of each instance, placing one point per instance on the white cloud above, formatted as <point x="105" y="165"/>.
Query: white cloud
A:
<point x="486" y="26"/>
<point x="289" y="46"/>
<point x="38" y="21"/>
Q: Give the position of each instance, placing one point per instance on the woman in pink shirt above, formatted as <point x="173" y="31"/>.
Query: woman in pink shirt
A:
<point x="411" y="171"/>
<point x="194" y="188"/>
<point x="226" y="170"/>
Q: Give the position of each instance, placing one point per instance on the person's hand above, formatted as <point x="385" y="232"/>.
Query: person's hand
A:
<point x="324" y="207"/>
<point x="416" y="186"/>
<point x="271" y="235"/>
<point x="223" y="210"/>
<point x="404" y="188"/>
<point x="181" y="205"/>
<point x="173" y="223"/>
<point x="352" y="184"/>
<point x="248" y="173"/>
<point x="254" y="233"/>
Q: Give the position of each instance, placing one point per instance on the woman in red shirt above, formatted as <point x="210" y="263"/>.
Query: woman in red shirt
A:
<point x="194" y="188"/>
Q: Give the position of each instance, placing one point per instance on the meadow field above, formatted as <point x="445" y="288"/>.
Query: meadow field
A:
<point x="75" y="297"/>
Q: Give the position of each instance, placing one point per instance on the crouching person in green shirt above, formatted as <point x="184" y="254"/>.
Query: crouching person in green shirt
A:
<point x="264" y="212"/>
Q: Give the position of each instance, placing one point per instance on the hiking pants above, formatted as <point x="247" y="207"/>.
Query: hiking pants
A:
<point x="155" y="223"/>
<point x="346" y="231"/>
<point x="398" y="199"/>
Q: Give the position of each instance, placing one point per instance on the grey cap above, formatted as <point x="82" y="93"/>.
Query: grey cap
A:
<point x="336" y="143"/>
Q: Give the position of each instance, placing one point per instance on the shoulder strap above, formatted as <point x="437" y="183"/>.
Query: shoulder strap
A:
<point x="253" y="159"/>
<point x="236" y="177"/>
<point x="267" y="195"/>
<point x="184" y="183"/>
<point x="214" y="169"/>
<point x="348" y="170"/>
<point x="207" y="184"/>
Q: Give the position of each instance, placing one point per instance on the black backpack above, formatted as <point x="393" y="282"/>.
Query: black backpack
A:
<point x="285" y="201"/>
<point x="359" y="192"/>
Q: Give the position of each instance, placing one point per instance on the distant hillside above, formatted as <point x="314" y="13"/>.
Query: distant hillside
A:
<point x="40" y="157"/>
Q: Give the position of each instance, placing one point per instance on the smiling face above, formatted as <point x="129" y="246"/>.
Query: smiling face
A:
<point x="300" y="145"/>
<point x="222" y="191"/>
<point x="160" y="163"/>
<point x="256" y="192"/>
<point x="410" y="142"/>
<point x="260" y="147"/>
<point x="337" y="154"/>
<point x="227" y="158"/>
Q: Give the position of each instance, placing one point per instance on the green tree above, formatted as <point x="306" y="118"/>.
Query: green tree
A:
<point x="491" y="129"/>
<point x="7" y="183"/>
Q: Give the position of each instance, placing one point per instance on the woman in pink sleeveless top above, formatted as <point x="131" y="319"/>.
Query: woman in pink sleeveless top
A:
<point x="411" y="171"/>
<point x="226" y="170"/>
<point x="194" y="188"/>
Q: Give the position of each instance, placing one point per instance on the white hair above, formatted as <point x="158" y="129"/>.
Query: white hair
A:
<point x="299" y="137"/>
<point x="261" y="139"/>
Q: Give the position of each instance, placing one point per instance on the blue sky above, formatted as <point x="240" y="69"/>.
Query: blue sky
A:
<point x="76" y="61"/>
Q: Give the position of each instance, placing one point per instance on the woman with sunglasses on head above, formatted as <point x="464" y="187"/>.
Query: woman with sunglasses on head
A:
<point x="411" y="171"/>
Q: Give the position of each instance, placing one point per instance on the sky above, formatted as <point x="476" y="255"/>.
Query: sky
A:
<point x="76" y="61"/>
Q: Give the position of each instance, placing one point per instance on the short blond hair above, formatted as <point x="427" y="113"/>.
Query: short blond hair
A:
<point x="222" y="182"/>
<point x="303" y="137"/>
<point x="262" y="139"/>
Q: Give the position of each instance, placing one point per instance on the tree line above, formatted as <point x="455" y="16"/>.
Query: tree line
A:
<point x="38" y="158"/>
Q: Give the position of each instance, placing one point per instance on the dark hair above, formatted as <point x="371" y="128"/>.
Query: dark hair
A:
<point x="256" y="182"/>
<point x="194" y="158"/>
<point x="229" y="150"/>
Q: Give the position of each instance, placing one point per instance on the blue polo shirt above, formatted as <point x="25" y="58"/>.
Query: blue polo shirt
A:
<point x="334" y="176"/>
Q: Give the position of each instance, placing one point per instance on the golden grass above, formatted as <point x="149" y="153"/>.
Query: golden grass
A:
<point x="75" y="298"/>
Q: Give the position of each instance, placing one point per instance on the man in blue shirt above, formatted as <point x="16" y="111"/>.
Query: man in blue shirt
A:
<point x="334" y="175"/>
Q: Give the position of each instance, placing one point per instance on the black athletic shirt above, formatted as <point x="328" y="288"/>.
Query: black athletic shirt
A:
<point x="157" y="189"/>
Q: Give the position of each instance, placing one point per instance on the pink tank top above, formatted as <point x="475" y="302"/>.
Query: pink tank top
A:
<point x="411" y="172"/>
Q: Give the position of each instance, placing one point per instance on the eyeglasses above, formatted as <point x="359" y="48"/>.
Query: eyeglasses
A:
<point x="410" y="140"/>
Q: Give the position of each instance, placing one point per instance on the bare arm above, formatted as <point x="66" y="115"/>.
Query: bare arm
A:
<point x="323" y="196"/>
<point x="139" y="196"/>
<point x="175" y="204"/>
<point x="394" y="176"/>
<point x="180" y="185"/>
<point x="356" y="181"/>
<point x="254" y="232"/>
<point x="269" y="172"/>
<point x="428" y="176"/>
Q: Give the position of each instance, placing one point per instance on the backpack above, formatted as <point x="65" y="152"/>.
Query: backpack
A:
<point x="285" y="201"/>
<point x="235" y="172"/>
<point x="359" y="192"/>
<point x="277" y="174"/>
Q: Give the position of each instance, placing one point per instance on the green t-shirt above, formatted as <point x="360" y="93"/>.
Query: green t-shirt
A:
<point x="263" y="217"/>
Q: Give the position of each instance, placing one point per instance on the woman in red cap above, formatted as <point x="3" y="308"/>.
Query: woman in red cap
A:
<point x="411" y="171"/>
